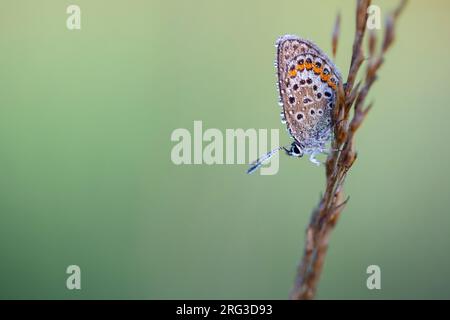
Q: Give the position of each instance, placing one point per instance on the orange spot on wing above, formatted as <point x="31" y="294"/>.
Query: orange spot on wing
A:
<point x="332" y="85"/>
<point x="300" y="67"/>
<point x="325" y="77"/>
<point x="292" y="73"/>
<point x="317" y="70"/>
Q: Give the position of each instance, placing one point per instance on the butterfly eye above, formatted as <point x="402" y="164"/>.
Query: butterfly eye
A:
<point x="295" y="150"/>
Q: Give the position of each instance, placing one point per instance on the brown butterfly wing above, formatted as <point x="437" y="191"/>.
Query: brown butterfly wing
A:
<point x="307" y="92"/>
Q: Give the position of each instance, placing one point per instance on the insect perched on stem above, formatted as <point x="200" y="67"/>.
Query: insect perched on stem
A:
<point x="307" y="84"/>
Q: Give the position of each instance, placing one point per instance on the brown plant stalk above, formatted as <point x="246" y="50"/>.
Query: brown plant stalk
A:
<point x="350" y="97"/>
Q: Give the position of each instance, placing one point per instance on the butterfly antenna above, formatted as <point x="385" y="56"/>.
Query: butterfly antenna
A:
<point x="260" y="161"/>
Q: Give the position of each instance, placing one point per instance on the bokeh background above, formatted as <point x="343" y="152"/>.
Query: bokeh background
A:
<point x="86" y="176"/>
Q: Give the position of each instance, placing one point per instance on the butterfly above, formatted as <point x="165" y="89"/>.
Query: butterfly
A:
<point x="307" y="86"/>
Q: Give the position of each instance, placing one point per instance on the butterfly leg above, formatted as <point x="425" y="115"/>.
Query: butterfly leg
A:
<point x="313" y="159"/>
<point x="328" y="151"/>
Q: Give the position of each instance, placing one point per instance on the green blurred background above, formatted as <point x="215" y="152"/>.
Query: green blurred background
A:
<point x="86" y="176"/>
